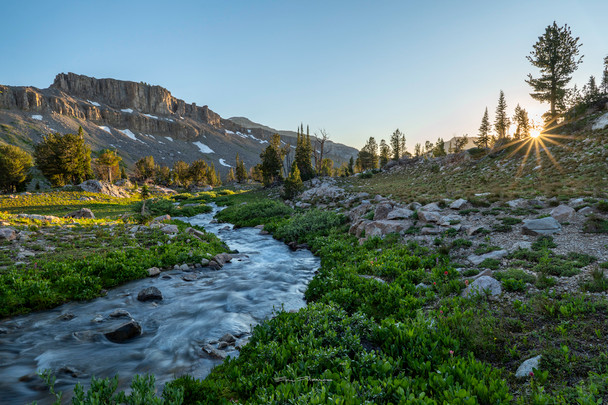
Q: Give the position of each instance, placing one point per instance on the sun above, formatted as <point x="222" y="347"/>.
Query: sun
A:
<point x="535" y="133"/>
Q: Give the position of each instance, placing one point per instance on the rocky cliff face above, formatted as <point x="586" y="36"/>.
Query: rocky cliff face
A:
<point x="137" y="119"/>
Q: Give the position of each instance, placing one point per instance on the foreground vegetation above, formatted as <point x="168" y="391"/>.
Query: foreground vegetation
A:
<point x="369" y="335"/>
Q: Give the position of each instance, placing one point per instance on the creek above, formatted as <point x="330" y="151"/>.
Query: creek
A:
<point x="266" y="276"/>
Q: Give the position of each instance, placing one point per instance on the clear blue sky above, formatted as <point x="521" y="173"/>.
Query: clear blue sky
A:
<point x="354" y="68"/>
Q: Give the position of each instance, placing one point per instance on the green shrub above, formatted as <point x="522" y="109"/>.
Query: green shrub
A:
<point x="595" y="224"/>
<point x="602" y="206"/>
<point x="516" y="274"/>
<point x="491" y="264"/>
<point x="511" y="284"/>
<point x="461" y="243"/>
<point x="543" y="242"/>
<point x="254" y="213"/>
<point x="301" y="227"/>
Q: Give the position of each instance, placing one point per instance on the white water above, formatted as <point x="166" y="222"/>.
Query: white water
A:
<point x="267" y="275"/>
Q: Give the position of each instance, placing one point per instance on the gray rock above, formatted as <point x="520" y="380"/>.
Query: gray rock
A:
<point x="459" y="204"/>
<point x="483" y="285"/>
<point x="124" y="332"/>
<point x="429" y="216"/>
<point x="520" y="245"/>
<point x="563" y="213"/>
<point x="524" y="370"/>
<point x="430" y="231"/>
<point x="120" y="313"/>
<point x="149" y="294"/>
<point x="222" y="258"/>
<point x="543" y="226"/>
<point x="367" y="276"/>
<point x="222" y="345"/>
<point x="8" y="234"/>
<point x="169" y="229"/>
<point x="228" y="338"/>
<point x="66" y="316"/>
<point x="415" y="206"/>
<point x="204" y="262"/>
<point x="189" y="277"/>
<point x="497" y="254"/>
<point x="214" y="353"/>
<point x="382" y="211"/>
<point x="400" y="213"/>
<point x="153" y="271"/>
<point x="96" y="186"/>
<point x="431" y="207"/>
<point x="472" y="230"/>
<point x="519" y="203"/>
<point x="214" y="265"/>
<point x="586" y="211"/>
<point x="81" y="213"/>
<point x="576" y="201"/>
<point x="162" y="218"/>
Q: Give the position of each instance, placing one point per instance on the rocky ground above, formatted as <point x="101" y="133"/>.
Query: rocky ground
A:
<point x="483" y="238"/>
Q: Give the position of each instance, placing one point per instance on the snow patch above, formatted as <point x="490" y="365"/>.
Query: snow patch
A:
<point x="95" y="103"/>
<point x="249" y="131"/>
<point x="223" y="163"/>
<point x="151" y="116"/>
<point x="127" y="110"/>
<point x="107" y="129"/>
<point x="229" y="132"/>
<point x="128" y="133"/>
<point x="37" y="117"/>
<point x="600" y="123"/>
<point x="203" y="148"/>
<point x="169" y="138"/>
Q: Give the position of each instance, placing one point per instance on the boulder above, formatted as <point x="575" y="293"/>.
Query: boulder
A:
<point x="430" y="231"/>
<point x="81" y="213"/>
<point x="483" y="285"/>
<point x="189" y="277"/>
<point x="162" y="218"/>
<point x="120" y="313"/>
<point x="8" y="234"/>
<point x="459" y="204"/>
<point x="415" y="206"/>
<point x="431" y="207"/>
<point x="400" y="213"/>
<point x="214" y="265"/>
<point x="204" y="262"/>
<point x="429" y="216"/>
<point x="169" y="229"/>
<point x="214" y="353"/>
<point x="586" y="211"/>
<point x="382" y="211"/>
<point x="527" y="367"/>
<point x="519" y="203"/>
<point x="96" y="186"/>
<point x="382" y="228"/>
<point x="228" y="338"/>
<point x="222" y="258"/>
<point x="497" y="255"/>
<point x="543" y="226"/>
<point x="153" y="271"/>
<point x="563" y="213"/>
<point x="472" y="229"/>
<point x="124" y="332"/>
<point x="520" y="245"/>
<point x="149" y="294"/>
<point x="358" y="211"/>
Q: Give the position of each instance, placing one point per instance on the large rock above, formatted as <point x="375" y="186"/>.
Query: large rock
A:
<point x="124" y="332"/>
<point x="400" y="213"/>
<point x="149" y="294"/>
<point x="358" y="211"/>
<point x="214" y="353"/>
<point x="497" y="255"/>
<point x="382" y="211"/>
<point x="543" y="226"/>
<point x="563" y="213"/>
<point x="459" y="204"/>
<point x="324" y="191"/>
<point x="153" y="271"/>
<point x="429" y="216"/>
<point x="431" y="207"/>
<point x="103" y="187"/>
<point x="81" y="213"/>
<point x="483" y="285"/>
<point x="379" y="228"/>
<point x="526" y="368"/>
<point x="170" y="229"/>
<point x="8" y="234"/>
<point x="222" y="258"/>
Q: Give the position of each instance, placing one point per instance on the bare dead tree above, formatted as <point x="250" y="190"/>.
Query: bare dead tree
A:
<point x="320" y="149"/>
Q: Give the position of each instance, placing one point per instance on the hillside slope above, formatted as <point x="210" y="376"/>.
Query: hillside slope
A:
<point x="137" y="119"/>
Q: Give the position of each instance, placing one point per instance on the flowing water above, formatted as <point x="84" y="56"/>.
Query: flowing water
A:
<point x="266" y="276"/>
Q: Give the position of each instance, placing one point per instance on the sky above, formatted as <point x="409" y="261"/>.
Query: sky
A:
<point x="353" y="68"/>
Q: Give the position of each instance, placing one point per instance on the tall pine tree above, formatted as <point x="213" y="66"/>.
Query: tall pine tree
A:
<point x="556" y="55"/>
<point x="241" y="171"/>
<point x="604" y="85"/>
<point x="522" y="122"/>
<point x="502" y="121"/>
<point x="385" y="153"/>
<point x="397" y="144"/>
<point x="303" y="156"/>
<point x="483" y="138"/>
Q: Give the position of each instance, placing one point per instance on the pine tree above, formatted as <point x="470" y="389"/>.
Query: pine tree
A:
<point x="502" y="121"/>
<point x="293" y="183"/>
<point x="522" y="123"/>
<point x="397" y="144"/>
<point x="272" y="162"/>
<point x="556" y="55"/>
<point x="181" y="173"/>
<point x="385" y="153"/>
<point x="123" y="173"/>
<point x="241" y="171"/>
<point x="145" y="168"/>
<point x="460" y="143"/>
<point x="591" y="91"/>
<point x="197" y="173"/>
<point x="107" y="165"/>
<point x="483" y="139"/>
<point x="439" y="149"/>
<point x="418" y="150"/>
<point x="14" y="166"/>
<point x="351" y="166"/>
<point x="428" y="146"/>
<point x="368" y="155"/>
<point x="230" y="178"/>
<point x="64" y="159"/>
<point x="604" y="85"/>
<point x="213" y="176"/>
<point x="303" y="156"/>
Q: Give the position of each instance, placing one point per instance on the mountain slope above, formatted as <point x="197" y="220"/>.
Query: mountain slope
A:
<point x="136" y="119"/>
